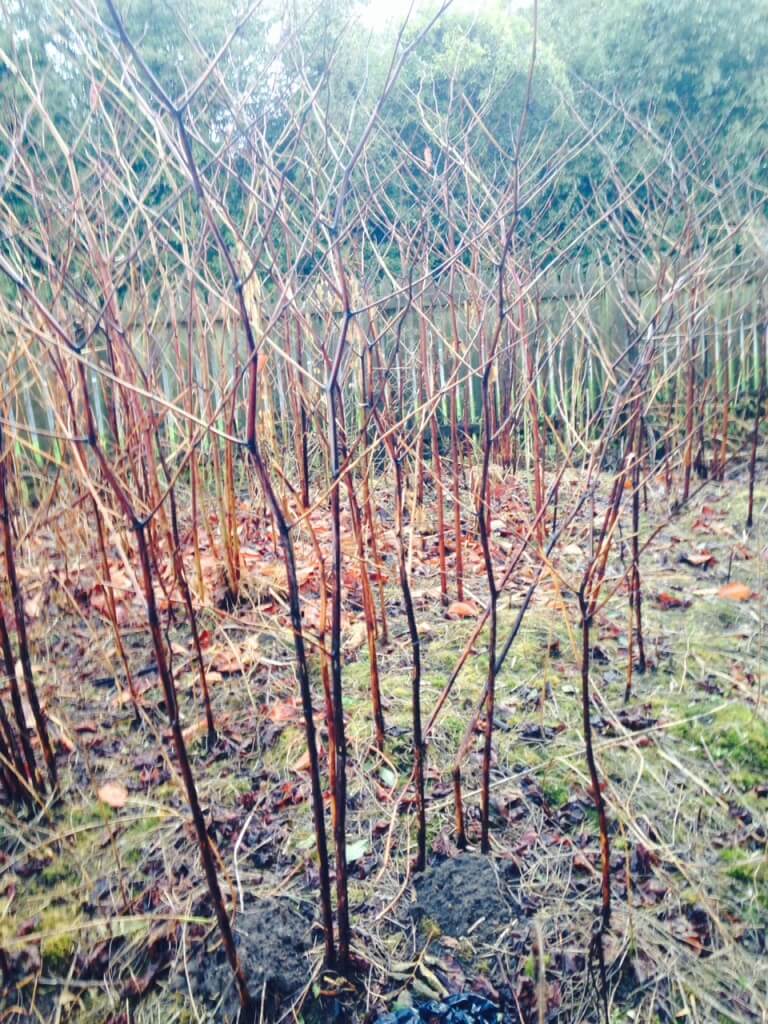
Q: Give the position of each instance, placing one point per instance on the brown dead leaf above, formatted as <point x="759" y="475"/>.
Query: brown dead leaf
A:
<point x="735" y="591"/>
<point x="572" y="551"/>
<point x="113" y="794"/>
<point x="303" y="764"/>
<point x="229" y="657"/>
<point x="462" y="610"/>
<point x="699" y="558"/>
<point x="283" y="711"/>
<point x="355" y="636"/>
<point x="195" y="731"/>
<point x="702" y="526"/>
<point x="33" y="602"/>
<point x="580" y="860"/>
<point x="666" y="600"/>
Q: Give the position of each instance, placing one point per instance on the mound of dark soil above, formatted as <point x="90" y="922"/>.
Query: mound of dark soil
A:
<point x="272" y="939"/>
<point x="468" y="895"/>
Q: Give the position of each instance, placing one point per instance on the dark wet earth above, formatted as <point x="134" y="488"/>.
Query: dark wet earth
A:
<point x="463" y="896"/>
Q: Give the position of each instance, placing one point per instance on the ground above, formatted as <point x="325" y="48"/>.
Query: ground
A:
<point x="104" y="913"/>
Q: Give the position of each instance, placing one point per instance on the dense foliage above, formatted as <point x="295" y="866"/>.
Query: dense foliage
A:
<point x="616" y="74"/>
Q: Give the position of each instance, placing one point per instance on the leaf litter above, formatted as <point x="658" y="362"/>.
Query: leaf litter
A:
<point x="691" y="886"/>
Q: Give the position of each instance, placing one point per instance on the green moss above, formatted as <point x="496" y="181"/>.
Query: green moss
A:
<point x="737" y="736"/>
<point x="58" y="943"/>
<point x="166" y="792"/>
<point x="136" y="839"/>
<point x="60" y="871"/>
<point x="530" y="755"/>
<point x="745" y="868"/>
<point x="86" y="815"/>
<point x="726" y="614"/>
<point x="239" y="784"/>
<point x="140" y="828"/>
<point x="556" y="792"/>
<point x="531" y="968"/>
<point x="286" y="749"/>
<point x="454" y="726"/>
<point x="591" y="822"/>
<point x="442" y="658"/>
<point x="442" y="653"/>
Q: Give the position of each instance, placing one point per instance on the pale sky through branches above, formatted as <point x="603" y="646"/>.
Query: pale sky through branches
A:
<point x="379" y="13"/>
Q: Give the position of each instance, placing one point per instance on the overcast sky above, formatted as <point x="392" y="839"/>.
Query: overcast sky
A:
<point x="378" y="13"/>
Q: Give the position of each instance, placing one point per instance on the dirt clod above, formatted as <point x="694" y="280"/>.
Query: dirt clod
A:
<point x="469" y="895"/>
<point x="272" y="939"/>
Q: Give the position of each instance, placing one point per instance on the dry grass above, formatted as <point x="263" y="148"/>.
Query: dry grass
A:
<point x="98" y="905"/>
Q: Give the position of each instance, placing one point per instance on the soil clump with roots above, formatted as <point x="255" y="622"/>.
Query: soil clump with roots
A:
<point x="273" y="939"/>
<point x="466" y="896"/>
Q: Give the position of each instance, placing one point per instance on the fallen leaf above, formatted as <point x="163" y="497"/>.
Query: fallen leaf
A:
<point x="232" y="658"/>
<point x="355" y="636"/>
<point x="462" y="610"/>
<point x="670" y="601"/>
<point x="735" y="591"/>
<point x="702" y="526"/>
<point x="195" y="730"/>
<point x="356" y="850"/>
<point x="113" y="794"/>
<point x="33" y="603"/>
<point x="283" y="711"/>
<point x="699" y="558"/>
<point x="572" y="551"/>
<point x="303" y="764"/>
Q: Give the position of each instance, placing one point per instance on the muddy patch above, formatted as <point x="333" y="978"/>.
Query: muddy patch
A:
<point x="273" y="941"/>
<point x="469" y="896"/>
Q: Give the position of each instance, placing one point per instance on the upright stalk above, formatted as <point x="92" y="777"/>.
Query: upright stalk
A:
<point x="635" y="592"/>
<point x="20" y="618"/>
<point x="759" y="403"/>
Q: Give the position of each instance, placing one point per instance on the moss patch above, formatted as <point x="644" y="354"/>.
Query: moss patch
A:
<point x="738" y="737"/>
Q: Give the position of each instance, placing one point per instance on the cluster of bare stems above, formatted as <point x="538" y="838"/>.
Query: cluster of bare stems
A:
<point x="334" y="312"/>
